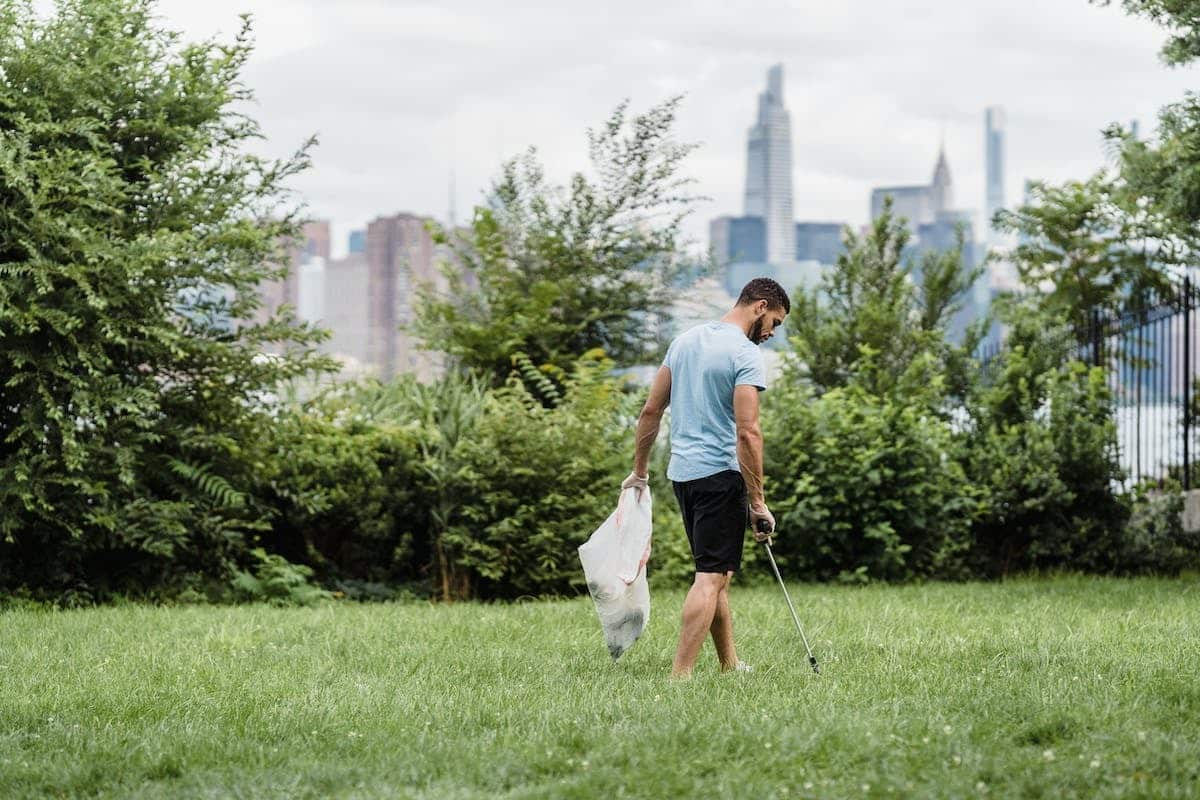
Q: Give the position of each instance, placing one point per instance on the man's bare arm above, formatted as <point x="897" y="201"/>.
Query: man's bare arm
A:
<point x="749" y="441"/>
<point x="650" y="418"/>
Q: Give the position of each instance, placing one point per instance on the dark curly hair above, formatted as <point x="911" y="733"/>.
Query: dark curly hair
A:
<point x="765" y="289"/>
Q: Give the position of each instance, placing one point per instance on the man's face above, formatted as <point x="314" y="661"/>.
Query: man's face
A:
<point x="767" y="321"/>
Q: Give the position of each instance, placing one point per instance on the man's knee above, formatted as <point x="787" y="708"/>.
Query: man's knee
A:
<point x="715" y="582"/>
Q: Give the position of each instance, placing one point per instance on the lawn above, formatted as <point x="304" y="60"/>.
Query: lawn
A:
<point x="1066" y="687"/>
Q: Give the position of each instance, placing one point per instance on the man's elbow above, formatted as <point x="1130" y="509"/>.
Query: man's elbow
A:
<point x="652" y="412"/>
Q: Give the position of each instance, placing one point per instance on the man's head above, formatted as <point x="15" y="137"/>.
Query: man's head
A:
<point x="766" y="304"/>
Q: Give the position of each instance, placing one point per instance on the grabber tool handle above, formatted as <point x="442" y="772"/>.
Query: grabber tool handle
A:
<point x="764" y="527"/>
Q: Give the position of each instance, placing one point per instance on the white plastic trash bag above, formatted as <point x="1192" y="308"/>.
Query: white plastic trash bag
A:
<point x="614" y="563"/>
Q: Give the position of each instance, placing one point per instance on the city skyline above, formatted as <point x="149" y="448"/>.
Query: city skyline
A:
<point x="403" y="95"/>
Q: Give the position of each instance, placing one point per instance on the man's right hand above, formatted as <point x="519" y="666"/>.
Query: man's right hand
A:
<point x="759" y="511"/>
<point x="635" y="481"/>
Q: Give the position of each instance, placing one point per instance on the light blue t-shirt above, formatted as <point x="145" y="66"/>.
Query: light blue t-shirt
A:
<point x="706" y="363"/>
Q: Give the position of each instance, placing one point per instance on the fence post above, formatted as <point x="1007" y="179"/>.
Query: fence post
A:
<point x="1187" y="382"/>
<point x="1097" y="339"/>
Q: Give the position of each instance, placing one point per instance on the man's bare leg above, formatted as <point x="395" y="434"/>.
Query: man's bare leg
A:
<point x="722" y="629"/>
<point x="699" y="613"/>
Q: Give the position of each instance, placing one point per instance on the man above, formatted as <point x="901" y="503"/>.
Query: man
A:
<point x="711" y="378"/>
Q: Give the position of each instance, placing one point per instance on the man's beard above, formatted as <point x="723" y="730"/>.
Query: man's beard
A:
<point x="756" y="331"/>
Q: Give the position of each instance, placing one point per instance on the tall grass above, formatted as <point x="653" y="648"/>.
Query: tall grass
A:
<point x="1069" y="687"/>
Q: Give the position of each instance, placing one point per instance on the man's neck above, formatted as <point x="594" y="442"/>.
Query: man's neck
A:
<point x="743" y="321"/>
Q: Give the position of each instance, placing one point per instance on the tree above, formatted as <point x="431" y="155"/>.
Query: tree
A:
<point x="554" y="273"/>
<point x="869" y="304"/>
<point x="1086" y="245"/>
<point x="1116" y="241"/>
<point x="134" y="231"/>
<point x="1182" y="17"/>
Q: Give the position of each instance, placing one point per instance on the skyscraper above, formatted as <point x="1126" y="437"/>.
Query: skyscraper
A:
<point x="941" y="190"/>
<point x="919" y="205"/>
<point x="909" y="202"/>
<point x="313" y="241"/>
<point x="993" y="141"/>
<point x="819" y="241"/>
<point x="400" y="253"/>
<point x="737" y="239"/>
<point x="769" y="170"/>
<point x="345" y="305"/>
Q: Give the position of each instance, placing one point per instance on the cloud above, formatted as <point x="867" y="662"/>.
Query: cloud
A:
<point x="404" y="93"/>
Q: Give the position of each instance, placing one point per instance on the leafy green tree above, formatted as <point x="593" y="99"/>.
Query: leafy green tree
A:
<point x="1086" y="246"/>
<point x="870" y="303"/>
<point x="1181" y="17"/>
<point x="1113" y="242"/>
<point x="134" y="230"/>
<point x="554" y="272"/>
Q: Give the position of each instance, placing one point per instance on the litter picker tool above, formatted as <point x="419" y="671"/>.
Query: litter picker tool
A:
<point x="764" y="527"/>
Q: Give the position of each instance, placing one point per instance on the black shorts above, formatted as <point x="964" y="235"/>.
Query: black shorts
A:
<point x="715" y="516"/>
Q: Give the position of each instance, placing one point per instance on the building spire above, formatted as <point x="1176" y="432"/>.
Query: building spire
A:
<point x="942" y="188"/>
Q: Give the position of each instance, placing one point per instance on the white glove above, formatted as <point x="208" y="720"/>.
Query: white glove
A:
<point x="635" y="481"/>
<point x="761" y="512"/>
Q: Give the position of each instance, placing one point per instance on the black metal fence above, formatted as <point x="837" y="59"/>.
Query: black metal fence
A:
<point x="1150" y="352"/>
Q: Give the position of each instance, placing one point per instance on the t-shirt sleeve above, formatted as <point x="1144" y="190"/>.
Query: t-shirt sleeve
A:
<point x="669" y="358"/>
<point x="749" y="368"/>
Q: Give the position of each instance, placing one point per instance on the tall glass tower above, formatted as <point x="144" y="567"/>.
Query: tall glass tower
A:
<point x="993" y="141"/>
<point x="769" y="171"/>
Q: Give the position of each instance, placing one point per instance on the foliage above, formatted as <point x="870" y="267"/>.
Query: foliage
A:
<point x="276" y="581"/>
<point x="1161" y="182"/>
<point x="866" y="486"/>
<point x="1154" y="540"/>
<point x="1181" y="17"/>
<point x="1085" y="246"/>
<point x="447" y="413"/>
<point x="350" y="486"/>
<point x="870" y="302"/>
<point x="134" y="230"/>
<point x="552" y="272"/>
<point x="1041" y="442"/>
<point x="538" y="480"/>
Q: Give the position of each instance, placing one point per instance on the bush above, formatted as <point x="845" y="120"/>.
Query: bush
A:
<point x="277" y="581"/>
<point x="541" y="472"/>
<point x="350" y="489"/>
<point x="865" y="487"/>
<point x="134" y="233"/>
<point x="1041" y="443"/>
<point x="1153" y="540"/>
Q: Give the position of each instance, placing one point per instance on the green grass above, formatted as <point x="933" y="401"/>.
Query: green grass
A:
<point x="1069" y="687"/>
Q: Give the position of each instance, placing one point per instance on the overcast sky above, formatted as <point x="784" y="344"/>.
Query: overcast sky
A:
<point x="401" y="94"/>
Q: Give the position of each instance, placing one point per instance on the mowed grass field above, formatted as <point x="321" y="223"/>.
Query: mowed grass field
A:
<point x="1066" y="687"/>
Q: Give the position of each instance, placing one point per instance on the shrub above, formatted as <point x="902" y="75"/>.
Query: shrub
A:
<point x="865" y="487"/>
<point x="1153" y="541"/>
<point x="349" y="487"/>
<point x="277" y="581"/>
<point x="537" y="479"/>
<point x="1041" y="442"/>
